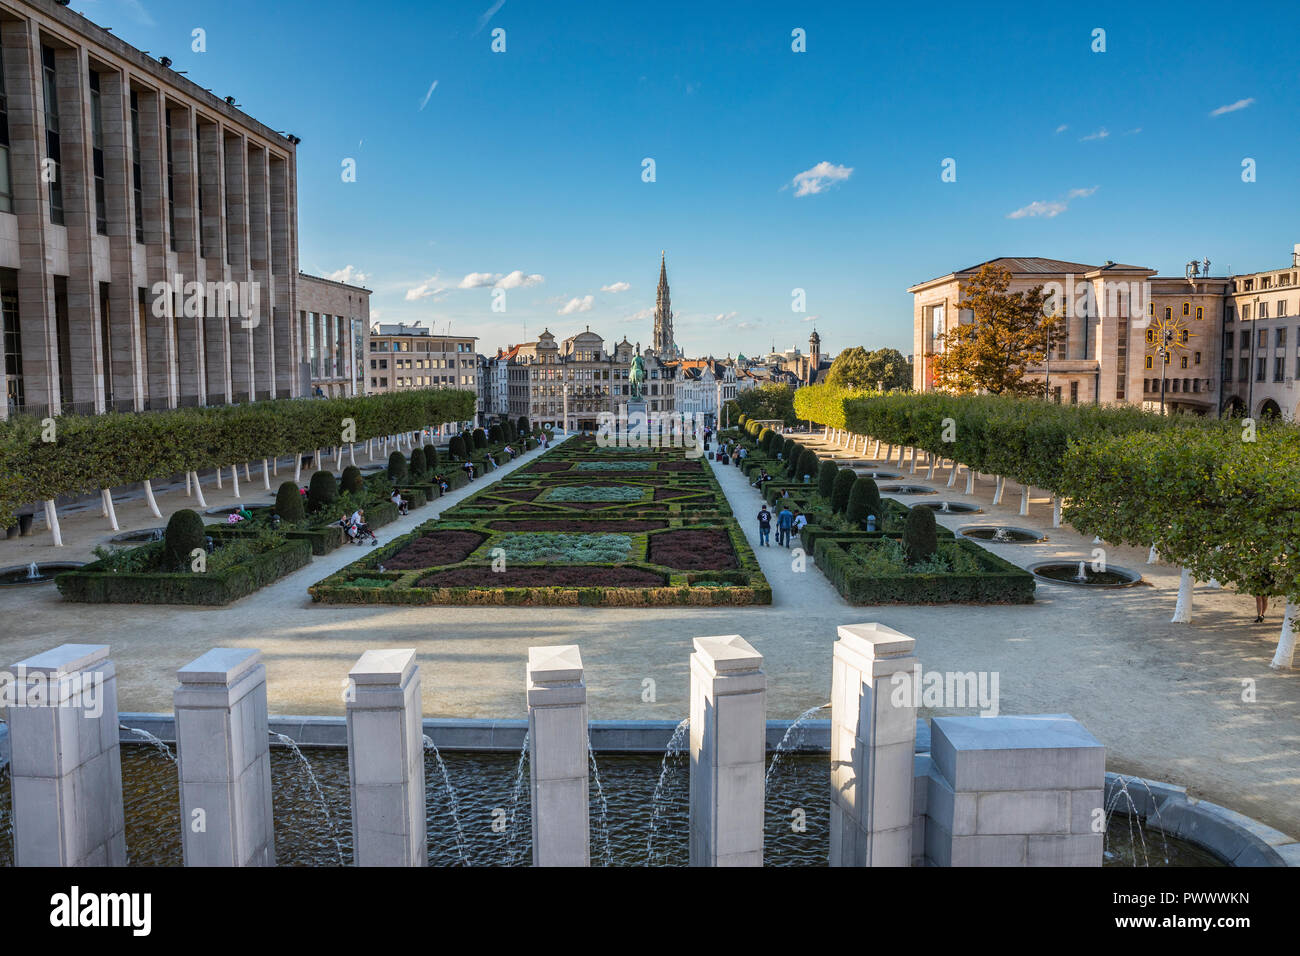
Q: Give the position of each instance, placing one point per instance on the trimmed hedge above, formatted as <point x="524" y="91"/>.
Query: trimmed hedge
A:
<point x="998" y="582"/>
<point x="95" y="584"/>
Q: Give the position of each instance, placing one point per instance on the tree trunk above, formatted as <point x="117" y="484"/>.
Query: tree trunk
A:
<point x="198" y="489"/>
<point x="913" y="471"/>
<point x="266" y="475"/>
<point x="107" y="497"/>
<point x="189" y="492"/>
<point x="247" y="477"/>
<point x="929" y="475"/>
<point x="952" y="472"/>
<point x="297" y="468"/>
<point x="352" y="453"/>
<point x="218" y="476"/>
<point x="1183" y="608"/>
<point x="1152" y="557"/>
<point x="1285" y="655"/>
<point x="153" y="503"/>
<point x="876" y="455"/>
<point x="998" y="486"/>
<point x="52" y="519"/>
<point x="1056" y="512"/>
<point x="234" y="479"/>
<point x="970" y="480"/>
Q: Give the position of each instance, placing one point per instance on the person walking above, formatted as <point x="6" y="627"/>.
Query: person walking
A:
<point x="800" y="522"/>
<point x="784" y="521"/>
<point x="764" y="525"/>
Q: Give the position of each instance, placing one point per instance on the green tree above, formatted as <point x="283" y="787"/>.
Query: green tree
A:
<point x="417" y="468"/>
<point x="920" y="535"/>
<point x="183" y="535"/>
<point x="397" y="468"/>
<point x="772" y="401"/>
<point x="807" y="464"/>
<point x="1008" y="337"/>
<point x="351" y="482"/>
<point x="288" y="503"/>
<point x="856" y="368"/>
<point x="826" y="478"/>
<point x="841" y="489"/>
<point x="864" y="499"/>
<point x="323" y="490"/>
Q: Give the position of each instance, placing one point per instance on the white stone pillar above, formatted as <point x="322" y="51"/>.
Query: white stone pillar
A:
<point x="558" y="757"/>
<point x="728" y="748"/>
<point x="65" y="765"/>
<point x="386" y="760"/>
<point x="873" y="736"/>
<point x="225" y="760"/>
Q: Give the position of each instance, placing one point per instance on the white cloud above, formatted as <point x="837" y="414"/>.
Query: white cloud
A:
<point x="519" y="280"/>
<point x="1102" y="133"/>
<point x="429" y="287"/>
<point x="349" y="275"/>
<point x="476" y="280"/>
<point x="639" y="316"/>
<point x="1051" y="208"/>
<point x="820" y="177"/>
<point x="578" y="305"/>
<point x="425" y="102"/>
<point x="615" y="287"/>
<point x="1062" y="128"/>
<point x="725" y="316"/>
<point x="811" y="318"/>
<point x="1233" y="107"/>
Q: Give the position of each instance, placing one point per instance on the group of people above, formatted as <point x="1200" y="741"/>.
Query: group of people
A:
<point x="355" y="526"/>
<point x="787" y="523"/>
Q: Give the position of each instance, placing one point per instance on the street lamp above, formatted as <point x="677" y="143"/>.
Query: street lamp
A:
<point x="1167" y="339"/>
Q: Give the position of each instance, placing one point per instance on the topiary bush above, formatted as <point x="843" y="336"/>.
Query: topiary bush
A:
<point x="826" y="479"/>
<point x="184" y="533"/>
<point x="765" y="439"/>
<point x="323" y="490"/>
<point x="920" y="535"/>
<point x="350" y="484"/>
<point x="480" y="438"/>
<point x="430" y="459"/>
<point x="288" y="502"/>
<point x="864" y="499"/>
<point x="807" y="464"/>
<point x="456" y="448"/>
<point x="524" y="427"/>
<point x="840" y="490"/>
<point x="397" y="468"/>
<point x="495" y="435"/>
<point x="418" y="468"/>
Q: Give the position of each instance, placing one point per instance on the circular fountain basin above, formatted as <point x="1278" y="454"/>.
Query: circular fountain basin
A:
<point x="1067" y="572"/>
<point x="950" y="507"/>
<point x="143" y="536"/>
<point x="1002" y="534"/>
<point x="44" y="573"/>
<point x="881" y="475"/>
<point x="227" y="509"/>
<point x="909" y="490"/>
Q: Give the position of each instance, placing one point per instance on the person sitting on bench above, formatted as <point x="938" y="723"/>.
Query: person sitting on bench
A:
<point x="402" y="504"/>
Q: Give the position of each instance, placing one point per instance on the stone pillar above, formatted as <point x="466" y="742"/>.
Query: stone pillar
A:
<point x="873" y="735"/>
<point x="386" y="760"/>
<point x="728" y="748"/>
<point x="65" y="765"/>
<point x="1014" y="791"/>
<point x="225" y="760"/>
<point x="558" y="758"/>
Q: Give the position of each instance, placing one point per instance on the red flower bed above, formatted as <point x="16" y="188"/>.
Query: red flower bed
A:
<point x="550" y="466"/>
<point x="435" y="547"/>
<point x="680" y="466"/>
<point x="519" y="494"/>
<point x="559" y="576"/>
<point x="662" y="493"/>
<point x="693" y="549"/>
<point x="630" y="526"/>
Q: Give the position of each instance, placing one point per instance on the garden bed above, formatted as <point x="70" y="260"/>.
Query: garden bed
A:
<point x="868" y="572"/>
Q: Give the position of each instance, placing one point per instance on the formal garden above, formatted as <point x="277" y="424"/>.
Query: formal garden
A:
<point x="217" y="562"/>
<point x="585" y="524"/>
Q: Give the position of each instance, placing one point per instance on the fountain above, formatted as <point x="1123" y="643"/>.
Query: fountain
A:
<point x="907" y="490"/>
<point x="672" y="750"/>
<point x="156" y="743"/>
<point x="34" y="573"/>
<point x="515" y="793"/>
<point x="604" y="804"/>
<point x="142" y="536"/>
<point x="786" y="739"/>
<point x="1002" y="534"/>
<point x="1081" y="575"/>
<point x="321" y="802"/>
<point x="950" y="507"/>
<point x="451" y="796"/>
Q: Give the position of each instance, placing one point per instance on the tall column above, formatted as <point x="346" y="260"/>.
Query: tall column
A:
<point x="558" y="758"/>
<point x="249" y="343"/>
<point x="280" y="302"/>
<point x="873" y="737"/>
<point x="728" y="747"/>
<point x="65" y="765"/>
<point x="158" y="331"/>
<point x="225" y="760"/>
<point x="386" y="760"/>
<point x="185" y="190"/>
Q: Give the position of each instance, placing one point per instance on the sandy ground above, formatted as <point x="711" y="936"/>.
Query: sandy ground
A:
<point x="1166" y="699"/>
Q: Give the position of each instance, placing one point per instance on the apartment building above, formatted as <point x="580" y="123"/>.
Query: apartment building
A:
<point x="411" y="356"/>
<point x="334" y="327"/>
<point x="1261" y="342"/>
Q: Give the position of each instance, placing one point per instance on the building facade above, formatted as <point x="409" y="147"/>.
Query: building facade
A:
<point x="404" y="357"/>
<point x="698" y="386"/>
<point x="1125" y="332"/>
<point x="1261" y="342"/>
<point x="148" y="229"/>
<point x="334" y="327"/>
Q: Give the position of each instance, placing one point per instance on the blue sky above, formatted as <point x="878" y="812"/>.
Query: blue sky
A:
<point x="523" y="169"/>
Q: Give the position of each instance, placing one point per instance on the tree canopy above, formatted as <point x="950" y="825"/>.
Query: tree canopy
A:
<point x="859" y="369"/>
<point x="772" y="401"/>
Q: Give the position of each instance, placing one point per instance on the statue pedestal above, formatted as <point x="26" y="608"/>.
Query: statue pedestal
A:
<point x="635" y="424"/>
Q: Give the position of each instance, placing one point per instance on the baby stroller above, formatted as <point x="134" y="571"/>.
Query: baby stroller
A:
<point x="362" y="533"/>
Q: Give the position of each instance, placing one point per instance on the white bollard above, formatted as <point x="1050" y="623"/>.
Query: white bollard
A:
<point x="386" y="760"/>
<point x="873" y="736"/>
<point x="225" y="760"/>
<point x="728" y="749"/>
<point x="66" y="768"/>
<point x="558" y="756"/>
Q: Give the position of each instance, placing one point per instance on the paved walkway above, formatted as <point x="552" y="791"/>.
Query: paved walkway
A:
<point x="1165" y="699"/>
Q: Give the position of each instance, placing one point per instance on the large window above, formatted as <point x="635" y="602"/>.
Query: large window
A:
<point x="106" y="343"/>
<point x="6" y="184"/>
<point x="53" y="153"/>
<point x="171" y="185"/>
<point x="97" y="155"/>
<point x="64" y="333"/>
<point x="137" y="180"/>
<point x="13" y="340"/>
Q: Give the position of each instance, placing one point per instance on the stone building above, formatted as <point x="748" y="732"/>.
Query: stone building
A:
<point x="699" y="383"/>
<point x="1261" y="342"/>
<point x="404" y="357"/>
<point x="1117" y="319"/>
<point x="334" y="319"/>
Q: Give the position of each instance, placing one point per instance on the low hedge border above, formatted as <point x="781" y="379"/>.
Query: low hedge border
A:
<point x="91" y="584"/>
<point x="1002" y="582"/>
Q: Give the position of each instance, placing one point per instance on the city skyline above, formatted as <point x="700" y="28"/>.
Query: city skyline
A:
<point x="479" y="171"/>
